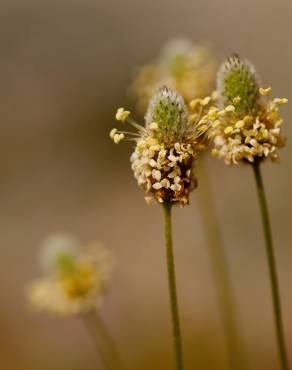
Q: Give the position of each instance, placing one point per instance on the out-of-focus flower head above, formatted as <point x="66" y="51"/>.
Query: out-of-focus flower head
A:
<point x="163" y="158"/>
<point x="248" y="126"/>
<point x="74" y="279"/>
<point x="183" y="66"/>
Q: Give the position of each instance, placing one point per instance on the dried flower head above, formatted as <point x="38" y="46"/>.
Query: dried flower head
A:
<point x="74" y="281"/>
<point x="248" y="126"/>
<point x="163" y="159"/>
<point x="183" y="66"/>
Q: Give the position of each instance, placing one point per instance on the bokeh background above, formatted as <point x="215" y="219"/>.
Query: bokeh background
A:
<point x="65" y="66"/>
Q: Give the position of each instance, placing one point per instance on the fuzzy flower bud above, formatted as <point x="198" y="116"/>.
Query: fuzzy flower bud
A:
<point x="238" y="83"/>
<point x="169" y="112"/>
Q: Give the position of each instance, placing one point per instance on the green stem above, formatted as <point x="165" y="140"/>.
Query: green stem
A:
<point x="272" y="267"/>
<point x="172" y="286"/>
<point x="103" y="342"/>
<point x="221" y="275"/>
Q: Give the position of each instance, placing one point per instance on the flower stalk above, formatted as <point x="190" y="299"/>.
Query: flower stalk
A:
<point x="172" y="286"/>
<point x="221" y="273"/>
<point x="272" y="266"/>
<point x="103" y="342"/>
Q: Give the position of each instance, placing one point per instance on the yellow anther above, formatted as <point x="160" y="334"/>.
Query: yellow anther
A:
<point x="122" y="114"/>
<point x="228" y="129"/>
<point x="230" y="108"/>
<point x="265" y="91"/>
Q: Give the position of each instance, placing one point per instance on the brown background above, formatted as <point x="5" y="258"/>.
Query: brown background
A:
<point x="64" y="68"/>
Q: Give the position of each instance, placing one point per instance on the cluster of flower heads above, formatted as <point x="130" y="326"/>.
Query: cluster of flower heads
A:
<point x="73" y="281"/>
<point x="248" y="123"/>
<point x="163" y="158"/>
<point x="185" y="67"/>
<point x="240" y="118"/>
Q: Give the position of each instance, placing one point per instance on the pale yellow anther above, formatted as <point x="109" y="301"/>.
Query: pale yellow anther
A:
<point x="118" y="137"/>
<point x="228" y="129"/>
<point x="247" y="119"/>
<point x="206" y="100"/>
<point x="216" y="123"/>
<point x="236" y="100"/>
<point x="157" y="186"/>
<point x="154" y="126"/>
<point x="239" y="124"/>
<point x="280" y="101"/>
<point x="265" y="91"/>
<point x="122" y="114"/>
<point x="203" y="121"/>
<point x="113" y="132"/>
<point x="230" y="108"/>
<point x="221" y="113"/>
<point x="194" y="103"/>
<point x="156" y="175"/>
<point x="212" y="114"/>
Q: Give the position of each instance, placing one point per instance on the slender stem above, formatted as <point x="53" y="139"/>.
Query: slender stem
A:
<point x="103" y="342"/>
<point x="172" y="286"/>
<point x="272" y="267"/>
<point x="221" y="274"/>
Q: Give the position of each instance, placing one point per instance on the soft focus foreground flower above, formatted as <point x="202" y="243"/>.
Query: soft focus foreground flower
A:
<point x="248" y="126"/>
<point x="183" y="66"/>
<point x="163" y="158"/>
<point x="75" y="281"/>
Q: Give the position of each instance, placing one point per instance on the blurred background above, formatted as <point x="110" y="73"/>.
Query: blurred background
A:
<point x="64" y="69"/>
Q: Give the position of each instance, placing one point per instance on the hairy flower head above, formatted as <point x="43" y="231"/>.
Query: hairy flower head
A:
<point x="237" y="80"/>
<point x="163" y="158"/>
<point x="75" y="281"/>
<point x="182" y="65"/>
<point x="249" y="123"/>
<point x="168" y="110"/>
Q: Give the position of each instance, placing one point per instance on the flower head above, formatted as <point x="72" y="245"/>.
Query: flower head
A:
<point x="185" y="67"/>
<point x="249" y="124"/>
<point x="73" y="281"/>
<point x="163" y="158"/>
<point x="237" y="80"/>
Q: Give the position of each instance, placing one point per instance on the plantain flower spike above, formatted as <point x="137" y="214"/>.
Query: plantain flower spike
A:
<point x="248" y="125"/>
<point x="182" y="65"/>
<point x="74" y="280"/>
<point x="166" y="147"/>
